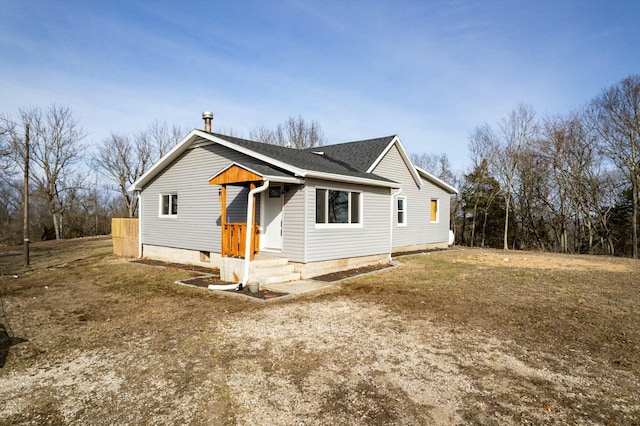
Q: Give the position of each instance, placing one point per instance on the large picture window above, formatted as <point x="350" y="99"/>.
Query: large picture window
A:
<point x="168" y="204"/>
<point x="337" y="206"/>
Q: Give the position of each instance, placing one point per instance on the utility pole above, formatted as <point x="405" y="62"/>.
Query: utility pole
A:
<point x="26" y="195"/>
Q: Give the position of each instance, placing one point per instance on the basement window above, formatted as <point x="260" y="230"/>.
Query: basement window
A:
<point x="169" y="205"/>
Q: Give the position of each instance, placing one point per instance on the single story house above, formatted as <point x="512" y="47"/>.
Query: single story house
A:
<point x="313" y="210"/>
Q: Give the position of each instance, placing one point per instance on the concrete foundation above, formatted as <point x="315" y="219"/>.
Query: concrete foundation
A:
<point x="189" y="257"/>
<point x="417" y="247"/>
<point x="313" y="269"/>
<point x="272" y="269"/>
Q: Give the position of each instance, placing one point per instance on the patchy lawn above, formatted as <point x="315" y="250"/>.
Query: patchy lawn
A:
<point x="464" y="336"/>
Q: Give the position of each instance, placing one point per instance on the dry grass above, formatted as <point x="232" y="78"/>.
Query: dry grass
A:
<point x="457" y="337"/>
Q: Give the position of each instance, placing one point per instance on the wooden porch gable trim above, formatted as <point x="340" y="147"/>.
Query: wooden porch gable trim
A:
<point x="234" y="234"/>
<point x="234" y="174"/>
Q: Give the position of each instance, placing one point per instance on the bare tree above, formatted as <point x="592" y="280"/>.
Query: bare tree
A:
<point x="294" y="133"/>
<point x="553" y="148"/>
<point x="268" y="136"/>
<point x="615" y="115"/>
<point x="160" y="137"/>
<point x="123" y="159"/>
<point x="428" y="162"/>
<point x="515" y="131"/>
<point x="8" y="132"/>
<point x="56" y="147"/>
<point x="123" y="162"/>
<point x="483" y="148"/>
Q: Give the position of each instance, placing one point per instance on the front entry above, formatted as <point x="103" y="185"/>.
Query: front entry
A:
<point x="271" y="218"/>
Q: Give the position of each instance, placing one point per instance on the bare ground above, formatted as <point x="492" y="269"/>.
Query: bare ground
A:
<point x="464" y="336"/>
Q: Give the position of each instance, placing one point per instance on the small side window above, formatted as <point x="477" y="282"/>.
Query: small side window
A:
<point x="402" y="211"/>
<point x="434" y="211"/>
<point x="168" y="204"/>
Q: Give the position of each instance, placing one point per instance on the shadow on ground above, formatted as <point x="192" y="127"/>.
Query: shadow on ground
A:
<point x="6" y="342"/>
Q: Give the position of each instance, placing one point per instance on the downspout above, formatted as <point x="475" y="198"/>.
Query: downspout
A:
<point x="139" y="224"/>
<point x="395" y="194"/>
<point x="247" y="248"/>
<point x="247" y="243"/>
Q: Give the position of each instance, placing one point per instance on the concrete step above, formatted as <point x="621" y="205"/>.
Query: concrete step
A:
<point x="273" y="270"/>
<point x="272" y="279"/>
<point x="275" y="274"/>
<point x="267" y="269"/>
<point x="262" y="261"/>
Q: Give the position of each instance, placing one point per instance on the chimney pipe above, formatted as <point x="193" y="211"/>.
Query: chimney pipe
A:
<point x="207" y="117"/>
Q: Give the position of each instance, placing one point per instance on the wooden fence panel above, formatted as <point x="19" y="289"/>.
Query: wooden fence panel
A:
<point x="124" y="233"/>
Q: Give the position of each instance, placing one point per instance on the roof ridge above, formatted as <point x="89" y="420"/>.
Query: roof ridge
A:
<point x="390" y="137"/>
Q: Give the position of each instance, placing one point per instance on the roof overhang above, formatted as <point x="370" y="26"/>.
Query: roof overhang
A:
<point x="436" y="181"/>
<point x="352" y="179"/>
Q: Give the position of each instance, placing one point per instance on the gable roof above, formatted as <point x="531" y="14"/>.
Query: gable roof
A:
<point x="347" y="162"/>
<point x="365" y="155"/>
<point x="304" y="159"/>
<point x="277" y="159"/>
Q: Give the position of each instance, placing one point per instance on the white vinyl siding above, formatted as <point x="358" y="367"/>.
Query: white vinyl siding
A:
<point x="369" y="237"/>
<point x="419" y="228"/>
<point x="293" y="223"/>
<point x="402" y="211"/>
<point x="197" y="226"/>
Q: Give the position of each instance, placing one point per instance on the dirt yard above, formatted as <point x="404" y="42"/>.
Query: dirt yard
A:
<point x="465" y="336"/>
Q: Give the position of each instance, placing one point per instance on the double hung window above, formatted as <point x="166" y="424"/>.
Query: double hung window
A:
<point x="402" y="211"/>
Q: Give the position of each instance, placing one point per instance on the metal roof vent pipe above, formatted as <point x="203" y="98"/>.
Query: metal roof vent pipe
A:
<point x="207" y="117"/>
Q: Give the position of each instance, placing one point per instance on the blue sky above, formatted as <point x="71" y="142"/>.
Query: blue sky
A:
<point x="429" y="71"/>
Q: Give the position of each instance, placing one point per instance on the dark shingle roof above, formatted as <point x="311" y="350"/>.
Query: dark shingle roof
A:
<point x="354" y="164"/>
<point x="358" y="155"/>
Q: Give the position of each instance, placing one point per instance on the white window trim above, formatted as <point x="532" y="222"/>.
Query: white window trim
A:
<point x="326" y="203"/>
<point x="437" y="200"/>
<point x="160" y="197"/>
<point x="404" y="210"/>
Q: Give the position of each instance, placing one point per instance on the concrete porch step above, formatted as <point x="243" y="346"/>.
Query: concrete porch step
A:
<point x="273" y="270"/>
<point x="264" y="269"/>
<point x="275" y="274"/>
<point x="273" y="279"/>
<point x="266" y="261"/>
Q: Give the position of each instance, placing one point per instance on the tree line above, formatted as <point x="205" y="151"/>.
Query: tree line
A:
<point x="566" y="183"/>
<point x="73" y="192"/>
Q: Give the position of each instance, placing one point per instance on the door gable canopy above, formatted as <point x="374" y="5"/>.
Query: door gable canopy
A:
<point x="235" y="174"/>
